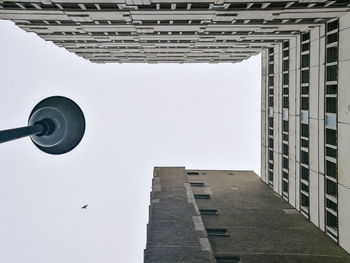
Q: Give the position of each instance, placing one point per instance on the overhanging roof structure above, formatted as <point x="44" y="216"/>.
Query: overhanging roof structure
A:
<point x="179" y="31"/>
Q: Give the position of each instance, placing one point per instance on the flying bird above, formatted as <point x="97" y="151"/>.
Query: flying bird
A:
<point x="84" y="207"/>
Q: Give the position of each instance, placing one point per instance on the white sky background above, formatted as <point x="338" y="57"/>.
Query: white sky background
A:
<point x="204" y="116"/>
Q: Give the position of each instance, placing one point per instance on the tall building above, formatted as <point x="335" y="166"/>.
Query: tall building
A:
<point x="305" y="50"/>
<point x="200" y="216"/>
<point x="306" y="125"/>
<point x="179" y="31"/>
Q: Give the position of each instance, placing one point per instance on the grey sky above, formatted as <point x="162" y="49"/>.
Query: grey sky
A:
<point x="138" y="116"/>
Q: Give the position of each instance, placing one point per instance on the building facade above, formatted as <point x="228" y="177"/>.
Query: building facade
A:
<point x="305" y="50"/>
<point x="155" y="31"/>
<point x="199" y="216"/>
<point x="306" y="125"/>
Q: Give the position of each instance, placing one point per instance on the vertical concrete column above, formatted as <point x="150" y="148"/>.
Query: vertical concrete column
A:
<point x="321" y="139"/>
<point x="314" y="98"/>
<point x="297" y="125"/>
<point x="344" y="133"/>
<point x="277" y="178"/>
<point x="264" y="110"/>
<point x="293" y="72"/>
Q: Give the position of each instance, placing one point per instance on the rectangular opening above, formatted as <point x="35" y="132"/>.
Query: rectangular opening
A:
<point x="305" y="61"/>
<point x="285" y="186"/>
<point x="208" y="211"/>
<point x="304" y="157"/>
<point x="285" y="163"/>
<point x="332" y="54"/>
<point x="305" y="76"/>
<point x="192" y="173"/>
<point x="332" y="221"/>
<point x="217" y="232"/>
<point x="330" y="204"/>
<point x="202" y="196"/>
<point x="227" y="259"/>
<point x="304" y="173"/>
<point x="305" y="103"/>
<point x="331" y="188"/>
<point x="199" y="184"/>
<point x="332" y="73"/>
<point x="331" y="169"/>
<point x="331" y="137"/>
<point x="305" y="130"/>
<point x="331" y="105"/>
<point x="304" y="200"/>
<point x="331" y="152"/>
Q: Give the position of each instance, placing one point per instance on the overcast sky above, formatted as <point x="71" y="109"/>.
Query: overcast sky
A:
<point x="138" y="116"/>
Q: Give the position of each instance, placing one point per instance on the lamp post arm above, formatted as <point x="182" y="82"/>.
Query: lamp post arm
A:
<point x="13" y="134"/>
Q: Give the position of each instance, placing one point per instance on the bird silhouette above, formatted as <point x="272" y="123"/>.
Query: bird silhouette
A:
<point x="84" y="207"/>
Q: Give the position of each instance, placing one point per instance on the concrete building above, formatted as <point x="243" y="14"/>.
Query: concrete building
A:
<point x="200" y="216"/>
<point x="306" y="125"/>
<point x="305" y="47"/>
<point x="177" y="31"/>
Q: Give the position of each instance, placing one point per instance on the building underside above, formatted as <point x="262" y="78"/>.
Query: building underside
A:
<point x="155" y="31"/>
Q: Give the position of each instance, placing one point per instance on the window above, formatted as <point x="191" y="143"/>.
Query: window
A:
<point x="331" y="105"/>
<point x="208" y="211"/>
<point x="331" y="120"/>
<point x="331" y="188"/>
<point x="332" y="221"/>
<point x="304" y="200"/>
<point x="305" y="61"/>
<point x="285" y="186"/>
<point x="332" y="205"/>
<point x="217" y="232"/>
<point x="332" y="73"/>
<point x="285" y="149"/>
<point x="331" y="169"/>
<point x="304" y="173"/>
<point x="304" y="117"/>
<point x="305" y="76"/>
<point x="305" y="103"/>
<point x="227" y="259"/>
<point x="331" y="137"/>
<point x="304" y="157"/>
<point x="202" y="196"/>
<point x="332" y="54"/>
<point x="192" y="173"/>
<point x="305" y="130"/>
<point x="200" y="184"/>
<point x="331" y="152"/>
<point x="304" y="143"/>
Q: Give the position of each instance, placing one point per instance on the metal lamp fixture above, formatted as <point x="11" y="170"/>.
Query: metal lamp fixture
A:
<point x="56" y="125"/>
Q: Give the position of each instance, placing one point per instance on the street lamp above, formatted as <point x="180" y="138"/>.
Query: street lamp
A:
<point x="56" y="125"/>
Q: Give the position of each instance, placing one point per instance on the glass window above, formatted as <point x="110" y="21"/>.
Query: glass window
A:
<point x="331" y="169"/>
<point x="208" y="211"/>
<point x="217" y="232"/>
<point x="331" y="120"/>
<point x="331" y="137"/>
<point x="331" y="188"/>
<point x="201" y="196"/>
<point x="332" y="73"/>
<point x="331" y="105"/>
<point x="200" y="184"/>
<point x="304" y="116"/>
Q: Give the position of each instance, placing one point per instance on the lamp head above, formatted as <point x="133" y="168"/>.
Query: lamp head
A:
<point x="64" y="122"/>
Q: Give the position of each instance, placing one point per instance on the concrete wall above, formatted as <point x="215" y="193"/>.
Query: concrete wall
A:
<point x="316" y="126"/>
<point x="344" y="133"/>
